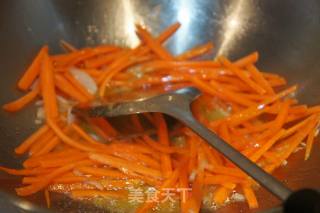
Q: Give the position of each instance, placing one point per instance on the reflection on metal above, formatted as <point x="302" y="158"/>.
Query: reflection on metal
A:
<point x="129" y="18"/>
<point x="233" y="25"/>
<point x="25" y="205"/>
<point x="286" y="33"/>
<point x="184" y="9"/>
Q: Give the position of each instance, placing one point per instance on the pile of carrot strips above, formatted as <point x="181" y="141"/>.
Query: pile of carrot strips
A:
<point x="257" y="117"/>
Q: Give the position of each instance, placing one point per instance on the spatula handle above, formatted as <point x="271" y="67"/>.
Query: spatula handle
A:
<point x="262" y="177"/>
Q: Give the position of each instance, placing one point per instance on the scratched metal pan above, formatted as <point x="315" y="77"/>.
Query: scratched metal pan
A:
<point x="286" y="33"/>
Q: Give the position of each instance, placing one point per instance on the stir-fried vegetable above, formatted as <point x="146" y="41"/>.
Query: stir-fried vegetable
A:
<point x="86" y="159"/>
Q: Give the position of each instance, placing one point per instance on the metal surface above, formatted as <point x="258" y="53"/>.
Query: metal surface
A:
<point x="177" y="104"/>
<point x="286" y="33"/>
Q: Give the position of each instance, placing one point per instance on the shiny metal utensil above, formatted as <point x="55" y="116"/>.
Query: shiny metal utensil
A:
<point x="177" y="104"/>
<point x="286" y="34"/>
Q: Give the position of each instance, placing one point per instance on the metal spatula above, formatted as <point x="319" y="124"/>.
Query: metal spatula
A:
<point x="177" y="104"/>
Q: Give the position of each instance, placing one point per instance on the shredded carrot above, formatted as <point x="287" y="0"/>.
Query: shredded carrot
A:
<point x="83" y="134"/>
<point x="21" y="102"/>
<point x="310" y="139"/>
<point x="63" y="85"/>
<point x="67" y="46"/>
<point x="47" y="197"/>
<point x="243" y="105"/>
<point x="250" y="196"/>
<point x="101" y="172"/>
<point x="50" y="145"/>
<point x="33" y="71"/>
<point x="220" y="195"/>
<point x="153" y="44"/>
<point x="166" y="164"/>
<point x="48" y="88"/>
<point x="120" y="163"/>
<point x="78" y="86"/>
<point x="247" y="60"/>
<point x="243" y="76"/>
<point x="194" y="52"/>
<point x="22" y="148"/>
<point x="95" y="193"/>
<point x="67" y="139"/>
<point x="33" y="188"/>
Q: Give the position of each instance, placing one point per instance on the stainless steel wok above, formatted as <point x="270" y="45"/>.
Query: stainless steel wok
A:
<point x="286" y="33"/>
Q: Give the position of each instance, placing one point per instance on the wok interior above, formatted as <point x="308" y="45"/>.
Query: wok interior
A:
<point x="286" y="34"/>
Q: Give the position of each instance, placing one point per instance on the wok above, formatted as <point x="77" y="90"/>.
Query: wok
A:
<point x="286" y="33"/>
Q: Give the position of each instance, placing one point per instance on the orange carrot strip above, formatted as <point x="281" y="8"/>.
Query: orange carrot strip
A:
<point x="90" y="53"/>
<point x="124" y="61"/>
<point x="210" y="156"/>
<point x="193" y="144"/>
<point x="52" y="143"/>
<point x="313" y="110"/>
<point x="83" y="134"/>
<point x="296" y="127"/>
<point x="93" y="72"/>
<point x="140" y="158"/>
<point x="153" y="43"/>
<point x="67" y="46"/>
<point x="215" y="90"/>
<point x="25" y="172"/>
<point x="47" y="197"/>
<point x="20" y="103"/>
<point x="34" y="161"/>
<point x="29" y="180"/>
<point x="220" y="195"/>
<point x="128" y="60"/>
<point x="22" y="148"/>
<point x="33" y="70"/>
<point x="168" y="32"/>
<point x="162" y="64"/>
<point x="310" y="140"/>
<point x="254" y="111"/>
<point x="67" y="139"/>
<point x="184" y="195"/>
<point x="120" y="164"/>
<point x="166" y="184"/>
<point x="63" y="161"/>
<point x="118" y="64"/>
<point x="78" y="85"/>
<point x="296" y="139"/>
<point x="45" y="180"/>
<point x="102" y="172"/>
<point x="196" y="51"/>
<point x="277" y="123"/>
<point x="136" y="122"/>
<point x="161" y="148"/>
<point x="221" y="179"/>
<point x="105" y="126"/>
<point x="256" y="74"/>
<point x="67" y="88"/>
<point x="97" y="193"/>
<point x="251" y="198"/>
<point x="196" y="193"/>
<point x="198" y="184"/>
<point x="254" y="86"/>
<point x="265" y="147"/>
<point x="104" y="60"/>
<point x="48" y="88"/>
<point x="41" y="142"/>
<point x="247" y="60"/>
<point x="223" y="170"/>
<point x="274" y="77"/>
<point x="71" y="179"/>
<point x="166" y="164"/>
